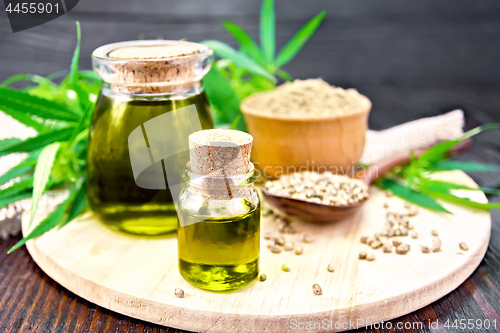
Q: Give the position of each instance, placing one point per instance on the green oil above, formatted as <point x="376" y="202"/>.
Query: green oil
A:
<point x="219" y="254"/>
<point x="112" y="192"/>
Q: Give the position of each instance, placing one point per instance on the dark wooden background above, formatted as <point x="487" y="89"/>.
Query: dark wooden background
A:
<point x="412" y="58"/>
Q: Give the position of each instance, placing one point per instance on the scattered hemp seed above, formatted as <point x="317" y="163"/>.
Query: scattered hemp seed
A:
<point x="397" y="232"/>
<point x="396" y="242"/>
<point x="317" y="289"/>
<point x="377" y="235"/>
<point x="387" y="248"/>
<point x="407" y="205"/>
<point x="370" y="240"/>
<point x="375" y="245"/>
<point x="370" y="256"/>
<point x="425" y="249"/>
<point x="307" y="238"/>
<point x="364" y="239"/>
<point x="390" y="217"/>
<point x="403" y="249"/>
<point x="413" y="211"/>
<point x="288" y="246"/>
<point x="330" y="268"/>
<point x="436" y="245"/>
<point x="267" y="235"/>
<point x="434" y="233"/>
<point x="362" y="255"/>
<point x="282" y="219"/>
<point x="386" y="205"/>
<point x="280" y="241"/>
<point x="414" y="234"/>
<point x="463" y="246"/>
<point x="275" y="249"/>
<point x="299" y="250"/>
<point x="285" y="268"/>
<point x="267" y="211"/>
<point x="263" y="277"/>
<point x="388" y="194"/>
<point x="179" y="292"/>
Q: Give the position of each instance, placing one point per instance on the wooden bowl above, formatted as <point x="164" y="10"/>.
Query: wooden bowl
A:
<point x="283" y="144"/>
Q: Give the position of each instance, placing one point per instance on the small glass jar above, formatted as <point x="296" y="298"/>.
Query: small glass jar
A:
<point x="143" y="82"/>
<point x="219" y="233"/>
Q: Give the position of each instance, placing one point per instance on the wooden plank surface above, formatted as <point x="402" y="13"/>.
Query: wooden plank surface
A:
<point x="411" y="58"/>
<point x="136" y="276"/>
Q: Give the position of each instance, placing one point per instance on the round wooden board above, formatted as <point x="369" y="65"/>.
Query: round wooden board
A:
<point x="137" y="276"/>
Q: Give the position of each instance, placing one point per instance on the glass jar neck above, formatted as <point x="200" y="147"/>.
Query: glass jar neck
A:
<point x="221" y="188"/>
<point x="109" y="91"/>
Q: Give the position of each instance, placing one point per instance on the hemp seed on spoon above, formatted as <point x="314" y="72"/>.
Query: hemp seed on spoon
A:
<point x="323" y="188"/>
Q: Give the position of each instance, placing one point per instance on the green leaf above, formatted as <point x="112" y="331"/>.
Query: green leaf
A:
<point x="408" y="194"/>
<point x="77" y="206"/>
<point x="92" y="77"/>
<point x="23" y="118"/>
<point x="222" y="97"/>
<point x="73" y="75"/>
<point x="5" y="143"/>
<point x="11" y="199"/>
<point x="444" y="195"/>
<point x="442" y="186"/>
<point x="19" y="170"/>
<point x="284" y="75"/>
<point x="235" y="123"/>
<point x="467" y="166"/>
<point x="38" y="142"/>
<point x="488" y="190"/>
<point x="247" y="45"/>
<point x="49" y="223"/>
<point x="28" y="77"/>
<point x="42" y="173"/>
<point x="13" y="102"/>
<point x="293" y="46"/>
<point x="227" y="52"/>
<point x="438" y="152"/>
<point x="19" y="187"/>
<point x="268" y="30"/>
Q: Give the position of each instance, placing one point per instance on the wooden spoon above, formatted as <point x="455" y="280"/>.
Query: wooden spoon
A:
<point x="320" y="213"/>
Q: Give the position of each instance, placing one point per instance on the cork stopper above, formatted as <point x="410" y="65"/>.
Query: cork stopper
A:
<point x="223" y="157"/>
<point x="220" y="152"/>
<point x="153" y="52"/>
<point x="152" y="67"/>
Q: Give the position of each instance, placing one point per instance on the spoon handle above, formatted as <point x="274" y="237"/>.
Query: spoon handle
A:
<point x="378" y="169"/>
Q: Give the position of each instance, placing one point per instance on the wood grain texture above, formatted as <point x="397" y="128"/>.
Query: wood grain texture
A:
<point x="412" y="59"/>
<point x="136" y="276"/>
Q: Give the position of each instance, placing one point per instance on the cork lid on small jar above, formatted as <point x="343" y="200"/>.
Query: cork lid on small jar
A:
<point x="152" y="67"/>
<point x="220" y="152"/>
<point x="221" y="160"/>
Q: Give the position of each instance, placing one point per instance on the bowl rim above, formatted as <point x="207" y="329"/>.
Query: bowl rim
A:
<point x="247" y="110"/>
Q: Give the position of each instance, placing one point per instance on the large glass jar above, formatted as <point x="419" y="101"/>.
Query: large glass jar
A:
<point x="219" y="236"/>
<point x="148" y="86"/>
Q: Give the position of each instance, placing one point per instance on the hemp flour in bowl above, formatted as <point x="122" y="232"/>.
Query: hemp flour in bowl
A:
<point x="310" y="98"/>
<point x="306" y="125"/>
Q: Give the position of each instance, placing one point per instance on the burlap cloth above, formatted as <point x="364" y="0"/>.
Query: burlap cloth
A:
<point x="379" y="145"/>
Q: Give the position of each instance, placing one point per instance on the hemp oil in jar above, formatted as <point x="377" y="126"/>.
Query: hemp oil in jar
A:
<point x="143" y="82"/>
<point x="219" y="212"/>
